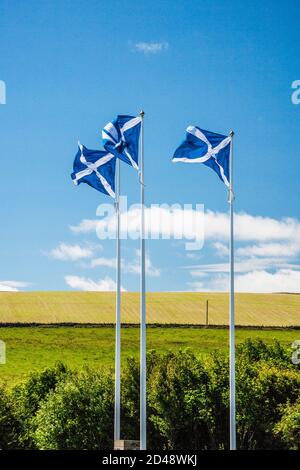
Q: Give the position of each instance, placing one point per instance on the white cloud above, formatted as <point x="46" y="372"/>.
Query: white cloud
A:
<point x="12" y="286"/>
<point x="284" y="249"/>
<point x="199" y="286"/>
<point x="129" y="266"/>
<point x="249" y="227"/>
<point x="241" y="266"/>
<point x="160" y="222"/>
<point x="165" y="221"/>
<point x="191" y="255"/>
<point x="85" y="226"/>
<point x="150" y="269"/>
<point x="221" y="249"/>
<point x="105" y="262"/>
<point x="264" y="245"/>
<point x="282" y="280"/>
<point x="71" y="252"/>
<point x="134" y="266"/>
<point x="150" y="47"/>
<point x="87" y="284"/>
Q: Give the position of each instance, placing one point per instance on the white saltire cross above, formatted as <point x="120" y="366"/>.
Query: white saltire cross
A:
<point x="212" y="152"/>
<point x="93" y="167"/>
<point x="110" y="133"/>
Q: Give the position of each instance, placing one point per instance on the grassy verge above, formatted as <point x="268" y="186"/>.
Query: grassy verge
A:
<point x="34" y="348"/>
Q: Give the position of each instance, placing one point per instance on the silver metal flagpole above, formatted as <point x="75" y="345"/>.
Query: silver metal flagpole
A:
<point x="143" y="372"/>
<point x="231" y="309"/>
<point x="118" y="315"/>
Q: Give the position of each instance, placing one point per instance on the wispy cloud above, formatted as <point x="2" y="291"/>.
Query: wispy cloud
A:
<point x="276" y="250"/>
<point x="249" y="227"/>
<point x="134" y="266"/>
<point x="104" y="262"/>
<point x="270" y="264"/>
<point x="263" y="245"/>
<point x="221" y="249"/>
<point x="65" y="252"/>
<point x="262" y="281"/>
<point x="12" y="286"/>
<point x="87" y="284"/>
<point x="161" y="222"/>
<point x="253" y="271"/>
<point x="128" y="266"/>
<point x="85" y="226"/>
<point x="150" y="47"/>
<point x="242" y="266"/>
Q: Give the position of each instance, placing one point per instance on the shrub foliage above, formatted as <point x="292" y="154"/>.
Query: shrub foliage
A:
<point x="188" y="403"/>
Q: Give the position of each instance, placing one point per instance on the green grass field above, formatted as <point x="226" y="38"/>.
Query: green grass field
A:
<point x="162" y="308"/>
<point x="35" y="348"/>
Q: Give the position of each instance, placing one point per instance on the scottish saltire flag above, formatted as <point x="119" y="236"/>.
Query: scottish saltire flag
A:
<point x="206" y="147"/>
<point x="96" y="168"/>
<point x="121" y="137"/>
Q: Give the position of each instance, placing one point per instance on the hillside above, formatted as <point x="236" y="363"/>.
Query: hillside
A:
<point x="162" y="307"/>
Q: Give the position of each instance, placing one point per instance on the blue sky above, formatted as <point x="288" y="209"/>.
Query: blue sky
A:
<point x="71" y="66"/>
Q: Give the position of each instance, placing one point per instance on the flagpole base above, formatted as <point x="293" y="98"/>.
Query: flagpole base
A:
<point x="121" y="444"/>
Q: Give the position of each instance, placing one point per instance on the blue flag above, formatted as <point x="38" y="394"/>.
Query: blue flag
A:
<point x="96" y="168"/>
<point x="121" y="137"/>
<point x="206" y="147"/>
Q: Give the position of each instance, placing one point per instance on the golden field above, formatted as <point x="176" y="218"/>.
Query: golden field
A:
<point x="281" y="310"/>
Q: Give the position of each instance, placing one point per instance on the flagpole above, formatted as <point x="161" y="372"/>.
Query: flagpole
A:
<point x="143" y="373"/>
<point x="118" y="314"/>
<point x="231" y="309"/>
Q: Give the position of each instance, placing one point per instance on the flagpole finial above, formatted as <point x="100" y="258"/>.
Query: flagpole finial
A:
<point x="142" y="114"/>
<point x="231" y="133"/>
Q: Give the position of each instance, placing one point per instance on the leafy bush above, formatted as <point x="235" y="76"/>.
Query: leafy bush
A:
<point x="130" y="399"/>
<point x="9" y="426"/>
<point x="130" y="403"/>
<point x="179" y="401"/>
<point x="28" y="396"/>
<point x="256" y="350"/>
<point x="261" y="391"/>
<point x="288" y="428"/>
<point x="217" y="366"/>
<point x="188" y="403"/>
<point x="78" y="414"/>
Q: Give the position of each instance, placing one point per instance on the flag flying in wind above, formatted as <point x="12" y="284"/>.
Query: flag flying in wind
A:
<point x="121" y="137"/>
<point x="206" y="147"/>
<point x="96" y="168"/>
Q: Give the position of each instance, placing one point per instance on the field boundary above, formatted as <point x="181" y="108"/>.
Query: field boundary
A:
<point x="149" y="325"/>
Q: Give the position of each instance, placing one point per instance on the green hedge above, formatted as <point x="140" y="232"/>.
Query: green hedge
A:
<point x="188" y="403"/>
